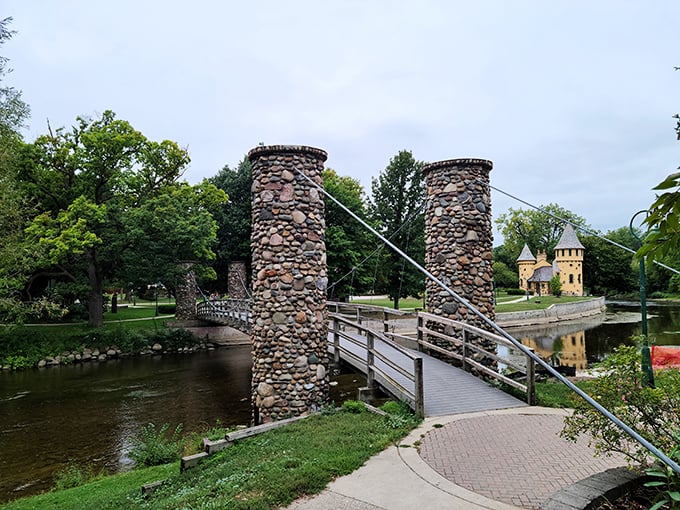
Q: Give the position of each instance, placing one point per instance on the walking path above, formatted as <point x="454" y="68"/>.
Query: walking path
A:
<point x="494" y="460"/>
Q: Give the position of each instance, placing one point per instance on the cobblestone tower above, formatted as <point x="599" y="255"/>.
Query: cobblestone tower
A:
<point x="289" y="337"/>
<point x="459" y="238"/>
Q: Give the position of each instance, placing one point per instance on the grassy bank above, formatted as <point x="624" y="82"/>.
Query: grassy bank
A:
<point x="537" y="303"/>
<point x="262" y="472"/>
<point x="131" y="329"/>
<point x="552" y="393"/>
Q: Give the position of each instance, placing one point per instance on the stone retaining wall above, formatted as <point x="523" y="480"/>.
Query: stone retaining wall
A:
<point x="554" y="313"/>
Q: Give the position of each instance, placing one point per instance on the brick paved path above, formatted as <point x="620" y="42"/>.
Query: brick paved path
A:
<point x="514" y="458"/>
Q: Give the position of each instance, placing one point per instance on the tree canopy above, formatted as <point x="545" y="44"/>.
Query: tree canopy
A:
<point x="347" y="241"/>
<point x="397" y="196"/>
<point x="109" y="205"/>
<point x="233" y="218"/>
<point x="535" y="228"/>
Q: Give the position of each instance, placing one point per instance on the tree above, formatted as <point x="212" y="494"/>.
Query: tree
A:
<point x="556" y="285"/>
<point x="608" y="269"/>
<point x="234" y="218"/>
<point x="91" y="185"/>
<point x="664" y="216"/>
<point x="535" y="228"/>
<point x="347" y="241"/>
<point x="398" y="194"/>
<point x="16" y="258"/>
<point x="503" y="276"/>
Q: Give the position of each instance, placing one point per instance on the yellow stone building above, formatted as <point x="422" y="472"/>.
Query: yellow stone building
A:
<point x="535" y="273"/>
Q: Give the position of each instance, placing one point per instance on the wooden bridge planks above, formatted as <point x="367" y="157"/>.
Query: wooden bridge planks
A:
<point x="448" y="389"/>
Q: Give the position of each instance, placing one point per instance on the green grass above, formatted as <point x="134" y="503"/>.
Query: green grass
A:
<point x="553" y="393"/>
<point x="537" y="303"/>
<point x="266" y="471"/>
<point x="404" y="303"/>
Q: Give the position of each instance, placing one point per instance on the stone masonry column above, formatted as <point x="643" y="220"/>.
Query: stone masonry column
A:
<point x="289" y="337"/>
<point x="459" y="238"/>
<point x="237" y="280"/>
<point x="185" y="294"/>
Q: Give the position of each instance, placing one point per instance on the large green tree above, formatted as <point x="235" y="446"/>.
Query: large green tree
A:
<point x="98" y="187"/>
<point x="608" y="269"/>
<point x="535" y="228"/>
<point x="15" y="254"/>
<point x="348" y="243"/>
<point x="234" y="218"/>
<point x="397" y="196"/>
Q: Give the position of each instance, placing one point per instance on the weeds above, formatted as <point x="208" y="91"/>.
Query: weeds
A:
<point x="153" y="447"/>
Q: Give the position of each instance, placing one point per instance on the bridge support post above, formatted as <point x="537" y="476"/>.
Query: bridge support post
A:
<point x="290" y="330"/>
<point x="237" y="280"/>
<point x="459" y="240"/>
<point x="185" y="294"/>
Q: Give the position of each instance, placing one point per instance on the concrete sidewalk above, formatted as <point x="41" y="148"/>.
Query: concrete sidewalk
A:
<point x="496" y="460"/>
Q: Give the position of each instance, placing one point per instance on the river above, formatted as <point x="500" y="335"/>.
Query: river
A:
<point x="85" y="414"/>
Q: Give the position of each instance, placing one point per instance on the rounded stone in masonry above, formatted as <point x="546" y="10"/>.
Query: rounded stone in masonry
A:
<point x="288" y="259"/>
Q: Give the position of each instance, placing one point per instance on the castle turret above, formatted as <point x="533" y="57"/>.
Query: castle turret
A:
<point x="525" y="263"/>
<point x="569" y="258"/>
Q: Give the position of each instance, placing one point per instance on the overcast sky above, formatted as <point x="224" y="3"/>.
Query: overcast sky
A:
<point x="571" y="100"/>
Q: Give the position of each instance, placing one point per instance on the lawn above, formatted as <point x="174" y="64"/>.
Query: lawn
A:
<point x="404" y="303"/>
<point x="266" y="471"/>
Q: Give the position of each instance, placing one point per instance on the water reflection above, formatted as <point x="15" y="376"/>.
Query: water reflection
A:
<point x="579" y="344"/>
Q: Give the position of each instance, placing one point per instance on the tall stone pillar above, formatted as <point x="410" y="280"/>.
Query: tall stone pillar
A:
<point x="185" y="294"/>
<point x="237" y="280"/>
<point x="459" y="238"/>
<point x="289" y="337"/>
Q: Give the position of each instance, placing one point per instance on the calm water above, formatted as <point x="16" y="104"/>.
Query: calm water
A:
<point x="581" y="343"/>
<point x="86" y="413"/>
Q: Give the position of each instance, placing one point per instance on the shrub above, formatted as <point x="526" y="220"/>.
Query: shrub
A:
<point x="654" y="412"/>
<point x="74" y="476"/>
<point x="516" y="292"/>
<point x="399" y="414"/>
<point x="153" y="447"/>
<point x="353" y="406"/>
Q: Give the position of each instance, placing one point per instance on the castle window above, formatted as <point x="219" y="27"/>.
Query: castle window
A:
<point x="571" y="278"/>
<point x="579" y="278"/>
<point x="570" y="252"/>
<point x="573" y="340"/>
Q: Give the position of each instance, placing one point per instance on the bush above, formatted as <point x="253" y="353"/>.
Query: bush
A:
<point x="74" y="476"/>
<point x="353" y="406"/>
<point x="399" y="414"/>
<point x="153" y="447"/>
<point x="654" y="412"/>
<point x="516" y="292"/>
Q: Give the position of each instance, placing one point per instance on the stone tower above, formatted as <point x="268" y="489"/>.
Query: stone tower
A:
<point x="459" y="239"/>
<point x="525" y="263"/>
<point x="569" y="254"/>
<point x="289" y="336"/>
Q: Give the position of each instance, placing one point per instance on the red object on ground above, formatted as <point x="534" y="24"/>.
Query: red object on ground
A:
<point x="665" y="356"/>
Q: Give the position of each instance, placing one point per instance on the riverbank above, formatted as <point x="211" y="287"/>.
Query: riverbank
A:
<point x="267" y="471"/>
<point x="554" y="313"/>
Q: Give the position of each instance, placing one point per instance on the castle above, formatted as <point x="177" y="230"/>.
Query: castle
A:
<point x="535" y="273"/>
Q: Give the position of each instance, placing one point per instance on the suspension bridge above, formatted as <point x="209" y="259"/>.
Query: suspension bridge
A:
<point x="394" y="350"/>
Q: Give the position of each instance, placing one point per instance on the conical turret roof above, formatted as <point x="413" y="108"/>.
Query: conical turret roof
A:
<point x="569" y="239"/>
<point x="526" y="255"/>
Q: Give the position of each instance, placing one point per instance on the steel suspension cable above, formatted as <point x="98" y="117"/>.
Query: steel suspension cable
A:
<point x="592" y="402"/>
<point x="582" y="229"/>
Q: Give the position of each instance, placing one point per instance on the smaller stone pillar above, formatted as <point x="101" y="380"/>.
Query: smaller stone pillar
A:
<point x="459" y="239"/>
<point x="237" y="283"/>
<point x="290" y="326"/>
<point x="185" y="294"/>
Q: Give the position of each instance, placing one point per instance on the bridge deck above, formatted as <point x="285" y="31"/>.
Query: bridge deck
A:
<point x="447" y="389"/>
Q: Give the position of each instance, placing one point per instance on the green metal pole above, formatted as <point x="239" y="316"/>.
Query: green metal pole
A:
<point x="646" y="355"/>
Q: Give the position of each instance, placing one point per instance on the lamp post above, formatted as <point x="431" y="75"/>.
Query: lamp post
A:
<point x="157" y="284"/>
<point x="646" y="360"/>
